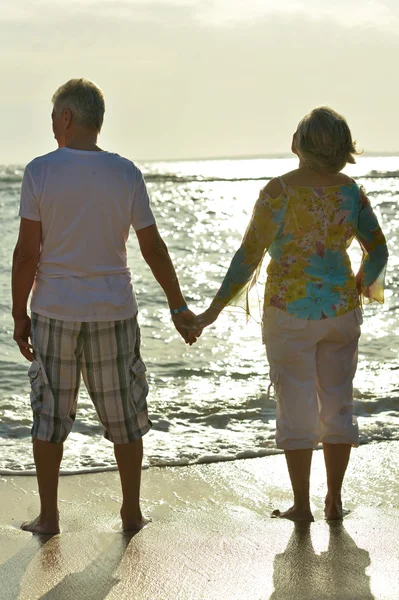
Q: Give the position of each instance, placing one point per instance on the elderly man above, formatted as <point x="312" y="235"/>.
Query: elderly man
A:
<point x="77" y="206"/>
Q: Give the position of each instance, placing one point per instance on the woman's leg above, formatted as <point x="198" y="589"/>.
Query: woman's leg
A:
<point x="291" y="350"/>
<point x="336" y="457"/>
<point x="336" y="368"/>
<point x="298" y="463"/>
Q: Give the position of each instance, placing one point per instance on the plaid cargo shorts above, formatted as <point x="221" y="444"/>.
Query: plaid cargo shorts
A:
<point x="107" y="354"/>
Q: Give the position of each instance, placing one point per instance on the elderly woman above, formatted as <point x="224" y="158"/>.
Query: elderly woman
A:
<point x="306" y="220"/>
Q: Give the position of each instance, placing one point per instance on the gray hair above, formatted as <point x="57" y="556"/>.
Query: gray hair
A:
<point x="324" y="141"/>
<point x="85" y="101"/>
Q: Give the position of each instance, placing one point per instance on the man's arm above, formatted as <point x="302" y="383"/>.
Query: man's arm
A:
<point x="156" y="255"/>
<point x="25" y="260"/>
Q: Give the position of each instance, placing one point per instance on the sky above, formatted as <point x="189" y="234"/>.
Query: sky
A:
<point x="200" y="78"/>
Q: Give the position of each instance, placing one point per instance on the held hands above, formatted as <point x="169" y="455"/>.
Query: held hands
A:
<point x="193" y="325"/>
<point x="185" y="323"/>
<point x="206" y="318"/>
<point x="190" y="326"/>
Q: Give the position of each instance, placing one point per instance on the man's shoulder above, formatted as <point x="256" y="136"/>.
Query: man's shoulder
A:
<point x="125" y="162"/>
<point x="39" y="161"/>
<point x="115" y="162"/>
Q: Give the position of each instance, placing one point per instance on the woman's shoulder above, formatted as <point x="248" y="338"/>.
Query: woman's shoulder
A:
<point x="273" y="188"/>
<point x="278" y="187"/>
<point x="299" y="177"/>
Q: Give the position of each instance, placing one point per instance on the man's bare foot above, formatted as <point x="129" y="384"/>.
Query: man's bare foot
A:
<point x="42" y="526"/>
<point x="294" y="514"/>
<point x="132" y="522"/>
<point x="333" y="509"/>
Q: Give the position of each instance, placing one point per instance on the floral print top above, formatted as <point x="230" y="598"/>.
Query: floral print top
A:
<point x="307" y="231"/>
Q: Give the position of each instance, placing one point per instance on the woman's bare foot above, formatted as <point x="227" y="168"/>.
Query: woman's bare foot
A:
<point x="333" y="509"/>
<point x="42" y="526"/>
<point x="133" y="522"/>
<point x="294" y="514"/>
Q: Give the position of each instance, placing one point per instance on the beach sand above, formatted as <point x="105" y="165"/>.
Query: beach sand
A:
<point x="211" y="536"/>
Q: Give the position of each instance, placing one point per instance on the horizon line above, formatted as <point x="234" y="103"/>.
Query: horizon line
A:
<point x="277" y="155"/>
<point x="281" y="155"/>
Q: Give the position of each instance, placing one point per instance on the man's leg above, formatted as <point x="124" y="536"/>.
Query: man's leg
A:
<point x="47" y="460"/>
<point x="336" y="457"/>
<point x="117" y="385"/>
<point x="129" y="458"/>
<point x="298" y="463"/>
<point x="54" y="394"/>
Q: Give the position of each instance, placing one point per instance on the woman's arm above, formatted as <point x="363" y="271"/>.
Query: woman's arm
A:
<point x="241" y="276"/>
<point x="371" y="275"/>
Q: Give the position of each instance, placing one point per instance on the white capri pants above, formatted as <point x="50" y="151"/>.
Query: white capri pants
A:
<point x="312" y="365"/>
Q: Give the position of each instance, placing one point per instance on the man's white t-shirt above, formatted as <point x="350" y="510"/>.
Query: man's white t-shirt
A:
<point x="86" y="203"/>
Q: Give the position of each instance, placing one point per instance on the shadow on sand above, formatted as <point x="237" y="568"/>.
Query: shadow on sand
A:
<point x="45" y="556"/>
<point x="339" y="573"/>
<point x="13" y="570"/>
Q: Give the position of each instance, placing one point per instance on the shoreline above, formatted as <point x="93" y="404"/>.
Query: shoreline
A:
<point x="202" y="460"/>
<point x="211" y="535"/>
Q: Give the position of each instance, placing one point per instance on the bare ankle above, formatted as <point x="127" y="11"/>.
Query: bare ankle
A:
<point x="333" y="497"/>
<point x="49" y="515"/>
<point x="133" y="520"/>
<point x="302" y="502"/>
<point x="131" y="513"/>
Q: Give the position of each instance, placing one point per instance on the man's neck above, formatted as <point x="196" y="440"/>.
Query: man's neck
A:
<point x="83" y="139"/>
<point x="89" y="147"/>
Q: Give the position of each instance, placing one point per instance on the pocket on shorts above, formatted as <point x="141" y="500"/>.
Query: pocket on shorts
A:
<point x="37" y="386"/>
<point x="138" y="384"/>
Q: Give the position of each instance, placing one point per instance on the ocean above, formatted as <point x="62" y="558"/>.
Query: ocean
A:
<point x="207" y="402"/>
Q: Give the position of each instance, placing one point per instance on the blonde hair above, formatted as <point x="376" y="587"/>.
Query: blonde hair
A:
<point x="324" y="141"/>
<point x="85" y="101"/>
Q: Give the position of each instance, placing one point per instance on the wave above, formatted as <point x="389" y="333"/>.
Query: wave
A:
<point x="172" y="177"/>
<point x="14" y="177"/>
<point x="381" y="174"/>
<point x="9" y="175"/>
<point x="206" y="459"/>
<point x="365" y="404"/>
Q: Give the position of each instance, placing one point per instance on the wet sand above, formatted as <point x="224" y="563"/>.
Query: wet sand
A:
<point x="211" y="536"/>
